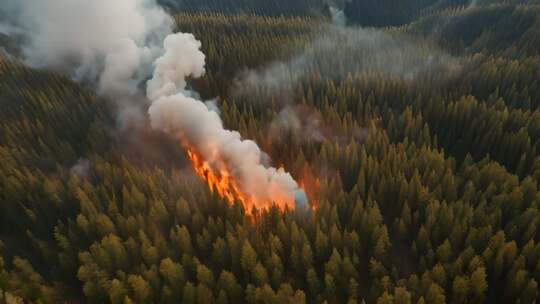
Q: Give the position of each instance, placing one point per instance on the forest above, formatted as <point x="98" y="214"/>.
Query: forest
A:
<point x="413" y="127"/>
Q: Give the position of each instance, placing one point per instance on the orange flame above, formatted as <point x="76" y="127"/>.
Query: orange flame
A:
<point x="221" y="181"/>
<point x="311" y="184"/>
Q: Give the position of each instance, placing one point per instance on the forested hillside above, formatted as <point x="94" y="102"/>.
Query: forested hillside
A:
<point x="249" y="7"/>
<point x="418" y="146"/>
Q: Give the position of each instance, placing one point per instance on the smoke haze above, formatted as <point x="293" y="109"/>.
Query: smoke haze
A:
<point x="117" y="45"/>
<point x="339" y="51"/>
<point x="335" y="53"/>
<point x="100" y="41"/>
<point x="174" y="111"/>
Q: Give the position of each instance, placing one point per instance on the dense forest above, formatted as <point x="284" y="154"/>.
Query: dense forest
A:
<point x="414" y="130"/>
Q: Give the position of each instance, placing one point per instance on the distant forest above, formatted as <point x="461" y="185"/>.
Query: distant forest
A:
<point x="415" y="128"/>
<point x="378" y="13"/>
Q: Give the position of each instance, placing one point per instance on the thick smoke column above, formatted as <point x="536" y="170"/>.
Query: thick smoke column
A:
<point x="174" y="110"/>
<point x="116" y="45"/>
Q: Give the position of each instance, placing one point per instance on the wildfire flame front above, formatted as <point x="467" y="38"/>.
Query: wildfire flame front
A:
<point x="219" y="179"/>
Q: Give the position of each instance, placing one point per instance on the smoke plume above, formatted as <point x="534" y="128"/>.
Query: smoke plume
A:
<point x="109" y="45"/>
<point x="99" y="41"/>
<point x="174" y="110"/>
<point x="117" y="45"/>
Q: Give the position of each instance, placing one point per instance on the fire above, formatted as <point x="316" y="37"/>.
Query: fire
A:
<point x="311" y="184"/>
<point x="220" y="180"/>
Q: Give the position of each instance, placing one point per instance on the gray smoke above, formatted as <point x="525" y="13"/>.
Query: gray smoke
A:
<point x="8" y="29"/>
<point x="339" y="51"/>
<point x="338" y="16"/>
<point x="107" y="44"/>
<point x="81" y="168"/>
<point x="175" y="111"/>
<point x="118" y="44"/>
<point x="473" y="3"/>
<point x="101" y="41"/>
<point x="312" y="126"/>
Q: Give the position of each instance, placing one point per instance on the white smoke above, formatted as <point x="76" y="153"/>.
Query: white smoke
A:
<point x="338" y="51"/>
<point x="121" y="62"/>
<point x="118" y="44"/>
<point x="8" y="29"/>
<point x="472" y="4"/>
<point x="212" y="106"/>
<point x="182" y="59"/>
<point x="81" y="168"/>
<point x="100" y="41"/>
<point x="338" y="16"/>
<point x="174" y="110"/>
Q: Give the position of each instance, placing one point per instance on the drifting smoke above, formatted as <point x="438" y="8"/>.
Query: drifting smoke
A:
<point x="473" y="3"/>
<point x="310" y="122"/>
<point x="338" y="16"/>
<point x="7" y="29"/>
<point x="299" y="119"/>
<point x="116" y="45"/>
<point x="174" y="110"/>
<point x="339" y="51"/>
<point x="335" y="53"/>
<point x="99" y="41"/>
<point x="212" y="106"/>
<point x="81" y="168"/>
<point x="106" y="44"/>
